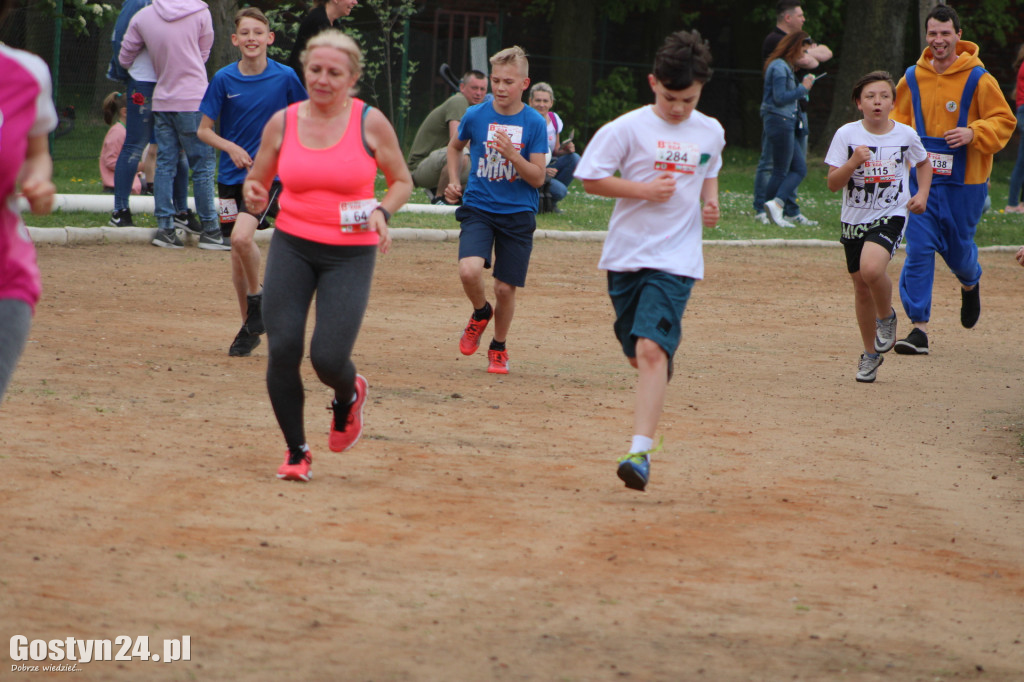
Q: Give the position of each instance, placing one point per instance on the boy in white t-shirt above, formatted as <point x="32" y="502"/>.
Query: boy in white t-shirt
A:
<point x="667" y="156"/>
<point x="870" y="160"/>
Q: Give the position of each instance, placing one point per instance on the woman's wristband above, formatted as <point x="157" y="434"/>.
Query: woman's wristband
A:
<point x="387" y="214"/>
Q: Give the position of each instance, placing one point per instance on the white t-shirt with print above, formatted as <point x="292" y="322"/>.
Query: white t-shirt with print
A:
<point x="880" y="187"/>
<point x="641" y="147"/>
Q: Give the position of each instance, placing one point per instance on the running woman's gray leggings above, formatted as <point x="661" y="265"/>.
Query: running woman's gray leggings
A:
<point x="15" y="322"/>
<point x="341" y="277"/>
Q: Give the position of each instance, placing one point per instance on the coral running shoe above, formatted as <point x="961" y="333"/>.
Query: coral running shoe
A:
<point x="470" y="340"/>
<point x="296" y="467"/>
<point x="497" y="361"/>
<point x="344" y="438"/>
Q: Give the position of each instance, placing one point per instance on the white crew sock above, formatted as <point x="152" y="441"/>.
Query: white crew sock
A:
<point x="641" y="444"/>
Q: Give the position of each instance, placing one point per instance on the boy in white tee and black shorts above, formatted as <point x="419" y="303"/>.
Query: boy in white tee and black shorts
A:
<point x="870" y="161"/>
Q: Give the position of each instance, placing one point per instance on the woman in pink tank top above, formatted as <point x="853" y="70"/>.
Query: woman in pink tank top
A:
<point x="326" y="151"/>
<point x="26" y="117"/>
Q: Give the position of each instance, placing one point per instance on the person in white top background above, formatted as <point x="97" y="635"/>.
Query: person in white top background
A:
<point x="564" y="158"/>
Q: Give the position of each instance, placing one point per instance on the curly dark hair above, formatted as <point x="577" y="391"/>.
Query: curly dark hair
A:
<point x="942" y="14"/>
<point x="683" y="59"/>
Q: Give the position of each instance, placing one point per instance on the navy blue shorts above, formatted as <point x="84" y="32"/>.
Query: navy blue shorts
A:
<point x="510" y="235"/>
<point x="649" y="304"/>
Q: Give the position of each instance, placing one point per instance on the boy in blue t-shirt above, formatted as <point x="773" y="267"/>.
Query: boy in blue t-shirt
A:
<point x="507" y="155"/>
<point x="243" y="96"/>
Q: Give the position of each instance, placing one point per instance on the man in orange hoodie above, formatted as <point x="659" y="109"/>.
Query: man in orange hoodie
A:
<point x="963" y="119"/>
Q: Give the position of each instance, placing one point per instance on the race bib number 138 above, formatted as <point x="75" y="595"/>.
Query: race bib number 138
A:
<point x="942" y="164"/>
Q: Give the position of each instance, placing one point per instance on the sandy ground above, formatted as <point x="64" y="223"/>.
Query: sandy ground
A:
<point x="798" y="525"/>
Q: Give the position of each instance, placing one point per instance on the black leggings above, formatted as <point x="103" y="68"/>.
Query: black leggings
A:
<point x="341" y="277"/>
<point x="17" y="320"/>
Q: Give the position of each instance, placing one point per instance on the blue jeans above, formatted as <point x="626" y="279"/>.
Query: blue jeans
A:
<point x="138" y="133"/>
<point x="764" y="172"/>
<point x="1017" y="177"/>
<point x="175" y="133"/>
<point x="566" y="167"/>
<point x="789" y="166"/>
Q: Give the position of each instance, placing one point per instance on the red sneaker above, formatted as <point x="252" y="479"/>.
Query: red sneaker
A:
<point x="498" y="361"/>
<point x="297" y="471"/>
<point x="470" y="340"/>
<point x="341" y="440"/>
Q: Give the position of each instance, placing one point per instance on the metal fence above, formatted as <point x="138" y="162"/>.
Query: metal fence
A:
<point x="79" y="59"/>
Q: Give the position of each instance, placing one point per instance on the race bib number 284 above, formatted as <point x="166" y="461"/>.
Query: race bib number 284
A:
<point x="677" y="157"/>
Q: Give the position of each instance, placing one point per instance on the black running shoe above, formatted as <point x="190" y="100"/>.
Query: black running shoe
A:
<point x="254" y="314"/>
<point x="167" y="240"/>
<point x="970" y="306"/>
<point x="916" y="343"/>
<point x="187" y="220"/>
<point x="243" y="344"/>
<point x="122" y="218"/>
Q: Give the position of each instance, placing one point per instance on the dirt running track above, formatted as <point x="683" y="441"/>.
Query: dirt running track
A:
<point x="799" y="525"/>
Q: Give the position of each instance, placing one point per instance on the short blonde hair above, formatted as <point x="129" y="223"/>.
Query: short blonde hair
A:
<point x="251" y="13"/>
<point x="332" y="37"/>
<point x="542" y="87"/>
<point x="512" y="55"/>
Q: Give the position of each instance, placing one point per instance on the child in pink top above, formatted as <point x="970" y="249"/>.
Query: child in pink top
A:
<point x="27" y="116"/>
<point x="114" y="112"/>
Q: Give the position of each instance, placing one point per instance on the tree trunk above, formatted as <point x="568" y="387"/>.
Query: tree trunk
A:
<point x="873" y="39"/>
<point x="573" y="26"/>
<point x="923" y="8"/>
<point x="101" y="84"/>
<point x="223" y="52"/>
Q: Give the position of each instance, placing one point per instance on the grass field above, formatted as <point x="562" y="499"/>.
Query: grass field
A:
<point x="585" y="212"/>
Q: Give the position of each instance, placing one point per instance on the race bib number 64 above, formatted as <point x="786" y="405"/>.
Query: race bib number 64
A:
<point x="355" y="215"/>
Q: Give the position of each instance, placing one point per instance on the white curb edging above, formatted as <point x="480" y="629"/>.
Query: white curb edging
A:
<point x="66" y="236"/>
<point x="141" y="203"/>
<point x="104" y="203"/>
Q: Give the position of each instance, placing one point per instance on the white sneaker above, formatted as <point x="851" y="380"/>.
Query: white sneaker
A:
<point x="803" y="220"/>
<point x="867" y="368"/>
<point x="885" y="333"/>
<point x="774" y="208"/>
<point x="762" y="218"/>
